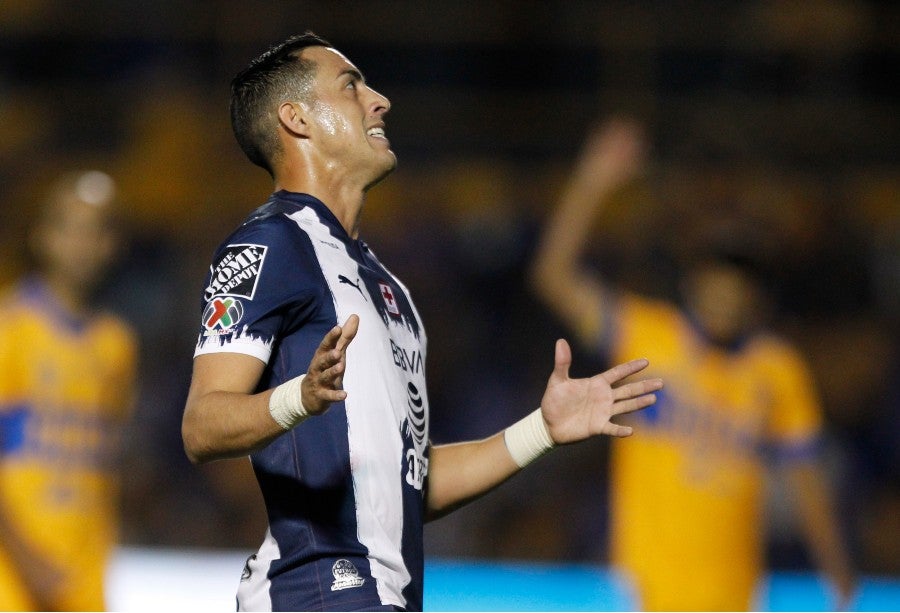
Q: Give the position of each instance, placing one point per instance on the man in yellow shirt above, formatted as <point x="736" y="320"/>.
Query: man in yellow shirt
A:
<point x="66" y="384"/>
<point x="687" y="495"/>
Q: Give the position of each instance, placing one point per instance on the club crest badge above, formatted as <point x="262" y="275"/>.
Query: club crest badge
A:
<point x="388" y="295"/>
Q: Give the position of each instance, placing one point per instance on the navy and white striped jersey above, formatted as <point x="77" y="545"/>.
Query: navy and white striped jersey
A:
<point x="343" y="490"/>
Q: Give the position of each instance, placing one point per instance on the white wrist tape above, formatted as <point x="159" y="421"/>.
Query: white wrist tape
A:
<point x="528" y="439"/>
<point x="286" y="404"/>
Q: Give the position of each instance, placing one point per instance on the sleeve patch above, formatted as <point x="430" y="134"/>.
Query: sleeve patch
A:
<point x="236" y="271"/>
<point x="222" y="315"/>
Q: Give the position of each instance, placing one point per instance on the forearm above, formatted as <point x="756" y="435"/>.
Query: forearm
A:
<point x="11" y="539"/>
<point x="222" y="424"/>
<point x="556" y="275"/>
<point x="566" y="232"/>
<point x="571" y="410"/>
<point x="819" y="520"/>
<point x="461" y="472"/>
<point x="223" y="418"/>
<point x="38" y="573"/>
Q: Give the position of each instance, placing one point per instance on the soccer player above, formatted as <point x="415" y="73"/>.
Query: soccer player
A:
<point x="686" y="519"/>
<point x="311" y="358"/>
<point x="66" y="385"/>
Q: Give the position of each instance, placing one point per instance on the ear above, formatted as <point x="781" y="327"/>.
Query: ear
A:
<point x="293" y="117"/>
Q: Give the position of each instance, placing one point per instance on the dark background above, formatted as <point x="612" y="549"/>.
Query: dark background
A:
<point x="777" y="115"/>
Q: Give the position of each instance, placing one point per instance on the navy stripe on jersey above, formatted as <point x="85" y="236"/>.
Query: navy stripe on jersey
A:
<point x="344" y="490"/>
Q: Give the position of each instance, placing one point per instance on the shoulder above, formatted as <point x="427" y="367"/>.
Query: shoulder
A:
<point x="634" y="306"/>
<point x="115" y="333"/>
<point x="263" y="243"/>
<point x="779" y="360"/>
<point x="277" y="226"/>
<point x="267" y="227"/>
<point x="115" y="326"/>
<point x="776" y="350"/>
<point x="9" y="298"/>
<point x="15" y="308"/>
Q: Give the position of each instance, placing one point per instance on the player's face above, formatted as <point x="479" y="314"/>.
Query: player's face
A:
<point x="723" y="300"/>
<point x="76" y="243"/>
<point x="348" y="118"/>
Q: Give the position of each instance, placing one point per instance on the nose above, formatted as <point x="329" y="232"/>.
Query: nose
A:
<point x="380" y="104"/>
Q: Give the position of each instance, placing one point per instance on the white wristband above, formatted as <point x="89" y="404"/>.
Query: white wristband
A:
<point x="528" y="439"/>
<point x="286" y="404"/>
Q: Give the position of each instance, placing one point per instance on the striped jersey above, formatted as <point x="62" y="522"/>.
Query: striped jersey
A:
<point x="343" y="490"/>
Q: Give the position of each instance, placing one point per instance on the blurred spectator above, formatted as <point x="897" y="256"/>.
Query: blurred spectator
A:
<point x="688" y="489"/>
<point x="66" y="383"/>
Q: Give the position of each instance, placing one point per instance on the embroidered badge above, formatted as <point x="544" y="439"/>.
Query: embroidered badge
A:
<point x="345" y="575"/>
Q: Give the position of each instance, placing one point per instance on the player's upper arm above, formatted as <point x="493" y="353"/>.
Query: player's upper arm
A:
<point x="225" y="372"/>
<point x="796" y="416"/>
<point x="222" y="417"/>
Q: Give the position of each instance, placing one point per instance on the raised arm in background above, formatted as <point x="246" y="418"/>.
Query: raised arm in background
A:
<point x="612" y="156"/>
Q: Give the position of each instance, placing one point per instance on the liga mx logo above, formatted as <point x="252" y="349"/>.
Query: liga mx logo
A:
<point x="222" y="313"/>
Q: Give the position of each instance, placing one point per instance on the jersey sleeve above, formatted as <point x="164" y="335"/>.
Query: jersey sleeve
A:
<point x="796" y="419"/>
<point x="118" y="345"/>
<point x="263" y="282"/>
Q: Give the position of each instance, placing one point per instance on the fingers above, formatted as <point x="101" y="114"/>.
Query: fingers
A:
<point x="329" y="341"/>
<point x="325" y="376"/>
<point x="336" y="340"/>
<point x="633" y="404"/>
<point x="348" y="332"/>
<point x="638" y="388"/>
<point x="562" y="359"/>
<point x="330" y="359"/>
<point x="617" y="430"/>
<point x="621" y="371"/>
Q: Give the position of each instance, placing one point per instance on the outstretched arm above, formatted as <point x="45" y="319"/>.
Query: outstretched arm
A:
<point x="571" y="410"/>
<point x="223" y="418"/>
<point x="612" y="155"/>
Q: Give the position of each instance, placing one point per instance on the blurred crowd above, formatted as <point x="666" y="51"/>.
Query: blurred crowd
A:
<point x="776" y="116"/>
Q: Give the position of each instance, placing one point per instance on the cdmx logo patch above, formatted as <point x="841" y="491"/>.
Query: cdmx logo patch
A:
<point x="222" y="313"/>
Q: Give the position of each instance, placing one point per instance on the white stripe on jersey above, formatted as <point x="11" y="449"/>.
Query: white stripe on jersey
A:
<point x="376" y="406"/>
<point x="253" y="591"/>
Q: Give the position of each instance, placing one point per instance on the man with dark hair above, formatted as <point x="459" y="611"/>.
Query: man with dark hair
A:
<point x="686" y="518"/>
<point x="311" y="358"/>
<point x="276" y="74"/>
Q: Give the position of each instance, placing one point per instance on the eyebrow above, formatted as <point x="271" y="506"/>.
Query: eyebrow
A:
<point x="354" y="74"/>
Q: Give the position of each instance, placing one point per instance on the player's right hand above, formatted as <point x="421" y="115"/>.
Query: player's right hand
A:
<point x="614" y="153"/>
<point x="324" y="379"/>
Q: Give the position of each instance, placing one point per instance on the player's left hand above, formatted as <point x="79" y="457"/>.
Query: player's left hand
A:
<point x="575" y="409"/>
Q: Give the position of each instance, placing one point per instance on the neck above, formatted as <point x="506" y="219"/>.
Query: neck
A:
<point x="71" y="299"/>
<point x="342" y="197"/>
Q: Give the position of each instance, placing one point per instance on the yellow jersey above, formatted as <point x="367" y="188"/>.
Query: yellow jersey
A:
<point x="65" y="389"/>
<point x="687" y="490"/>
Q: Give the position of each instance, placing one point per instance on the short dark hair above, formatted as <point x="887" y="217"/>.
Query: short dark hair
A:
<point x="277" y="74"/>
